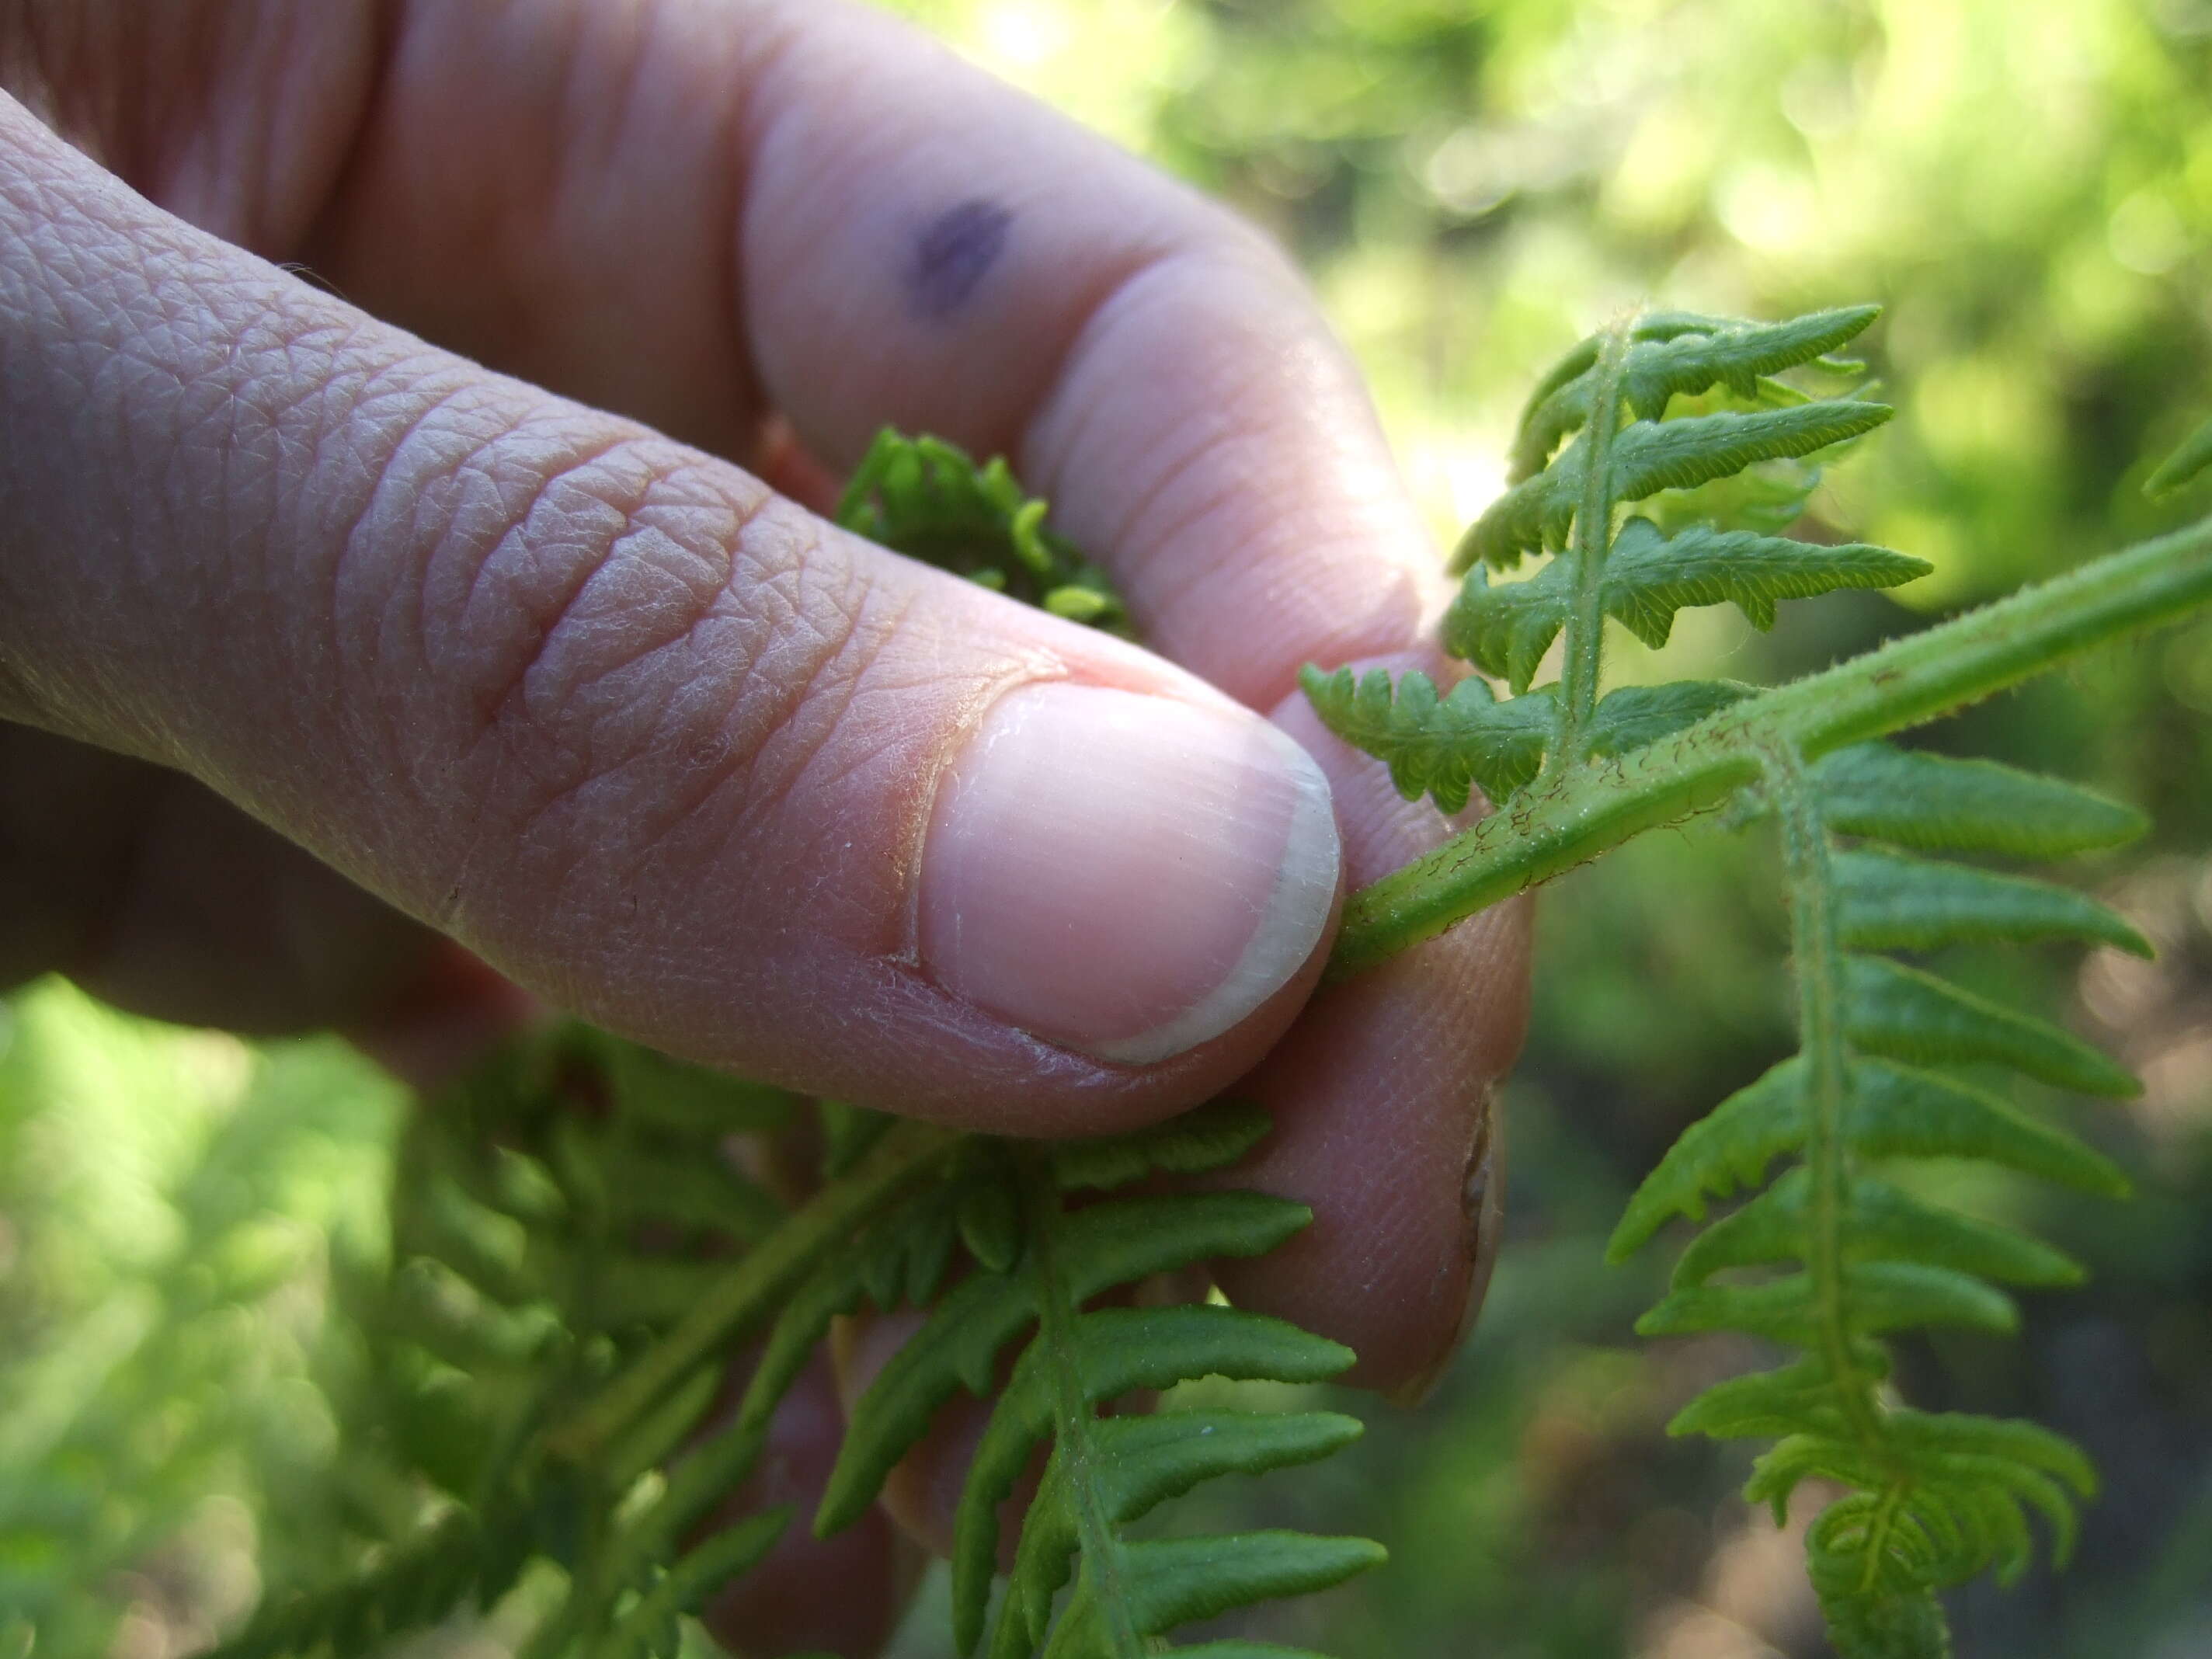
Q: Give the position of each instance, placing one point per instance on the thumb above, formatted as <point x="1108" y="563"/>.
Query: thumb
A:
<point x="657" y="744"/>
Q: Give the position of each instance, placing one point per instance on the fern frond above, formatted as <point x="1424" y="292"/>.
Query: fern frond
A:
<point x="1898" y="1111"/>
<point x="1884" y="1297"/>
<point x="1648" y="406"/>
<point x="1505" y="629"/>
<point x="1929" y="1501"/>
<point x="1650" y="576"/>
<point x="1893" y="1111"/>
<point x="1636" y="715"/>
<point x="1650" y="456"/>
<point x="1881" y="1223"/>
<point x="1887" y="901"/>
<point x="1934" y="803"/>
<point x="1683" y="412"/>
<point x="1074" y="1359"/>
<point x="1674" y="354"/>
<point x="1143" y="1461"/>
<point x="1438" y="746"/>
<point x="1903" y="1013"/>
<point x="929" y="501"/>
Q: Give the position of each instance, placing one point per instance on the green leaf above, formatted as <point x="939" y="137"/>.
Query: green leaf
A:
<point x="1879" y="1223"/>
<point x="837" y="1285"/>
<point x="1887" y="901"/>
<point x="651" y="1088"/>
<point x="1680" y="454"/>
<point x="1436" y="746"/>
<point x="1178" y="1581"/>
<point x="1107" y="1244"/>
<point x="2182" y="466"/>
<point x="1650" y="456"/>
<point x="990" y="1222"/>
<point x="929" y="501"/>
<point x="1899" y="1112"/>
<point x="421" y="1581"/>
<point x="1140" y="1463"/>
<point x="847" y="1133"/>
<point x="1885" y="1296"/>
<point x="1505" y="628"/>
<point x="1209" y="1137"/>
<point x="1884" y="1612"/>
<point x="1958" y="1434"/>
<point x="1628" y="719"/>
<point x="1902" y="1013"/>
<point x="1736" y="354"/>
<point x="1101" y="1474"/>
<point x="1112" y="1352"/>
<point x="1729" y="1147"/>
<point x="1649" y="576"/>
<point x="1936" y="804"/>
<point x="1891" y="1111"/>
<point x="1765" y="1404"/>
<point x="1677" y="354"/>
<point x="1684" y="413"/>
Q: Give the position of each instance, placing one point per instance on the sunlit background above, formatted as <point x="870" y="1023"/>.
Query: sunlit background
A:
<point x="2025" y="185"/>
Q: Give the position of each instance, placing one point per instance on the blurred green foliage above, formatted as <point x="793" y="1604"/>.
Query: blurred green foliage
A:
<point x="2027" y="186"/>
<point x="173" y="1208"/>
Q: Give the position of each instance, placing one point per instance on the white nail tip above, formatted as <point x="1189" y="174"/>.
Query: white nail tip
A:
<point x="1297" y="911"/>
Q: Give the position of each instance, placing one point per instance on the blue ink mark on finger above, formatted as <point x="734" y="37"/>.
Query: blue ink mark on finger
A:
<point x="953" y="253"/>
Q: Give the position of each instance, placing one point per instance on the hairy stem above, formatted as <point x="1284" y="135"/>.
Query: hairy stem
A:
<point x="1101" y="1555"/>
<point x="1826" y="1070"/>
<point x="1591" y="541"/>
<point x="756" y="1285"/>
<point x="1569" y="817"/>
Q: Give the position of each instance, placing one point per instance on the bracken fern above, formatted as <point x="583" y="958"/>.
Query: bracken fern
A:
<point x="579" y="1265"/>
<point x="1835" y="1255"/>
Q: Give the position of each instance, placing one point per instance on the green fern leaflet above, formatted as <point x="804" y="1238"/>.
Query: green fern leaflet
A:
<point x="1680" y="415"/>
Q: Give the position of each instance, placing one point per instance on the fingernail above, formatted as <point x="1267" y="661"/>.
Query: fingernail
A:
<point x="1124" y="875"/>
<point x="1482" y="1202"/>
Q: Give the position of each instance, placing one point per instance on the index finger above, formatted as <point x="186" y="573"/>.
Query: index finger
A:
<point x="701" y="210"/>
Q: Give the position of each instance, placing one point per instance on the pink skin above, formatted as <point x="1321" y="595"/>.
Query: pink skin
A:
<point x="536" y="664"/>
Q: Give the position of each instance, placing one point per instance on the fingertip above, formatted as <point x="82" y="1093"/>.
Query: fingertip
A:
<point x="1129" y="876"/>
<point x="1386" y="1119"/>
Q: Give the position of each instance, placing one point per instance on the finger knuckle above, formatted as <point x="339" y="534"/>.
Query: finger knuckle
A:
<point x="600" y="609"/>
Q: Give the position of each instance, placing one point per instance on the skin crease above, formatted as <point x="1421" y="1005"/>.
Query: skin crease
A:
<point x="731" y="232"/>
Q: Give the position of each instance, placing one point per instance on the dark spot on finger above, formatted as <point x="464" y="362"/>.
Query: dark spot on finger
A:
<point x="953" y="254"/>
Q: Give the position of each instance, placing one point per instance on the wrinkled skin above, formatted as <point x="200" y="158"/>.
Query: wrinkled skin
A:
<point x="409" y="562"/>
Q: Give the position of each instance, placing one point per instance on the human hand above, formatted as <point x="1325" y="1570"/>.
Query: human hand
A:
<point x="651" y="738"/>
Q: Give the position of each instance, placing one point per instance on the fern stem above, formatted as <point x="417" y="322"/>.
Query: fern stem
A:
<point x="1591" y="541"/>
<point x="1101" y="1553"/>
<point x="1819" y="964"/>
<point x="901" y="1160"/>
<point x="1568" y="817"/>
<point x="1879" y="1526"/>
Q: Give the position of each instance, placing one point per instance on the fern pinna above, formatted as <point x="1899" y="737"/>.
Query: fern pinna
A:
<point x="1685" y="414"/>
<point x="1042" y="1264"/>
